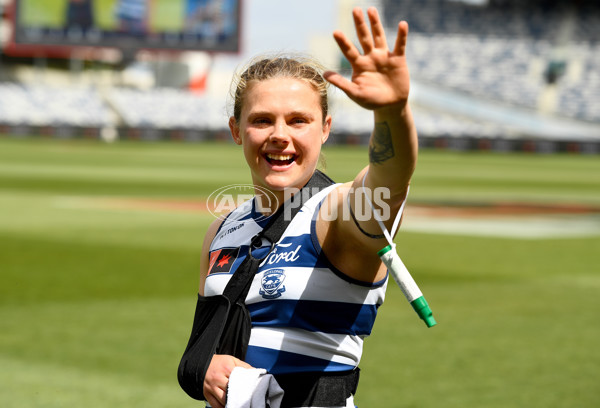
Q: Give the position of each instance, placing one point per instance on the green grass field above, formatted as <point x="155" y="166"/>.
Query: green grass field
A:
<point x="96" y="299"/>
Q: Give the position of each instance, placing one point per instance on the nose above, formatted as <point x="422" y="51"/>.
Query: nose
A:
<point x="280" y="134"/>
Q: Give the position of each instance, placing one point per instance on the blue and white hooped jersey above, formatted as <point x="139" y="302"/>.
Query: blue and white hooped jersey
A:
<point x="306" y="314"/>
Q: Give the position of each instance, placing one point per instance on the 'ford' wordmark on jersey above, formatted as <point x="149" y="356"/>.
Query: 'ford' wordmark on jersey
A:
<point x="278" y="255"/>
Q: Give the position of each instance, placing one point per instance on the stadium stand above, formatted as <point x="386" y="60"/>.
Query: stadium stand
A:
<point x="47" y="105"/>
<point x="503" y="51"/>
<point x="503" y="69"/>
<point x="493" y="69"/>
<point x="579" y="92"/>
<point x="524" y="19"/>
<point x="166" y="108"/>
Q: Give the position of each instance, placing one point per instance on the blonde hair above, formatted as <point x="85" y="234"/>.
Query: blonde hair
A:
<point x="262" y="68"/>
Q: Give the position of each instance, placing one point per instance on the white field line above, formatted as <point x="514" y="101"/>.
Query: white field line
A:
<point x="507" y="226"/>
<point x="416" y="219"/>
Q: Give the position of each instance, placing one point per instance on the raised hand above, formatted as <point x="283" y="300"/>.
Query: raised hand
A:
<point x="379" y="76"/>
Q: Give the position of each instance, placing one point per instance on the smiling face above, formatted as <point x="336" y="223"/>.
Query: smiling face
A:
<point x="281" y="129"/>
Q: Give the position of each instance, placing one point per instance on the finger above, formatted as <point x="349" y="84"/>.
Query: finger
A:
<point x="217" y="392"/>
<point x="379" y="39"/>
<point x="400" y="46"/>
<point x="339" y="81"/>
<point x="214" y="401"/>
<point x="362" y="30"/>
<point x="347" y="48"/>
<point x="241" y="363"/>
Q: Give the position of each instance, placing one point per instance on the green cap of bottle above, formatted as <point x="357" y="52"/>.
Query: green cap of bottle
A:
<point x="384" y="250"/>
<point x="422" y="308"/>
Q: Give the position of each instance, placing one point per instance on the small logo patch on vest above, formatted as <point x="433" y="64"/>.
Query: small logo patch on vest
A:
<point x="271" y="284"/>
<point x="221" y="260"/>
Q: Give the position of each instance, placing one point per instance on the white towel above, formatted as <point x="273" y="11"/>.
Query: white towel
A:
<point x="253" y="388"/>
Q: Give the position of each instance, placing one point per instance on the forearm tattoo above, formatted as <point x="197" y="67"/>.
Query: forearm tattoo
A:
<point x="381" y="148"/>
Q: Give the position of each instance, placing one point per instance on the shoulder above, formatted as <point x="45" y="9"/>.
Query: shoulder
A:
<point x="346" y="247"/>
<point x="211" y="232"/>
<point x="233" y="218"/>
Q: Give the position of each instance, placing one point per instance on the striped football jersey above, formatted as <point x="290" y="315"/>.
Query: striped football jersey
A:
<point x="306" y="314"/>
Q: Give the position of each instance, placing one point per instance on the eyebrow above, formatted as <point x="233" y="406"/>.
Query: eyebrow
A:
<point x="291" y="113"/>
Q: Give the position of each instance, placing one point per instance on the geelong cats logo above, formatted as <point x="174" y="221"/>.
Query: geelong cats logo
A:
<point x="271" y="284"/>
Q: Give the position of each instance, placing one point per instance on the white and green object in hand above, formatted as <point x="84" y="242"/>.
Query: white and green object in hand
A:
<point x="407" y="284"/>
<point x="396" y="267"/>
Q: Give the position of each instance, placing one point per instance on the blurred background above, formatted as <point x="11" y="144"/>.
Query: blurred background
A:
<point x="113" y="134"/>
<point x="497" y="74"/>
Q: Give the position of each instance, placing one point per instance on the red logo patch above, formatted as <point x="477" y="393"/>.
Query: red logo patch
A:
<point x="221" y="260"/>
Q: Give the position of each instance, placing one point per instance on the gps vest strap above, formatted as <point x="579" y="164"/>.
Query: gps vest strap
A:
<point x="239" y="284"/>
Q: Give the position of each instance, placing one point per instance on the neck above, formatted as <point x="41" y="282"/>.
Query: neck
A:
<point x="268" y="202"/>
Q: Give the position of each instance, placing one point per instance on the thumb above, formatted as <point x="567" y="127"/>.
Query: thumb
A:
<point x="240" y="363"/>
<point x="339" y="81"/>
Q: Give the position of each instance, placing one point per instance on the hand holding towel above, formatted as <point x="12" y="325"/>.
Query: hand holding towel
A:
<point x="253" y="388"/>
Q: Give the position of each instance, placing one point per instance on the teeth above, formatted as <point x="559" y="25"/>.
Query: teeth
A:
<point x="280" y="156"/>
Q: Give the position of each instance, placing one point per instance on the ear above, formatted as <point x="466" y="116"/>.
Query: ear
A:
<point x="235" y="131"/>
<point x="326" y="129"/>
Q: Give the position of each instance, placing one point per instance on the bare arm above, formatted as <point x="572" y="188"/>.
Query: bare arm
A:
<point x="221" y="366"/>
<point x="380" y="82"/>
<point x="208" y="238"/>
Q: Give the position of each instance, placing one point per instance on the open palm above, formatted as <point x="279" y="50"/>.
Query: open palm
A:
<point x="380" y="77"/>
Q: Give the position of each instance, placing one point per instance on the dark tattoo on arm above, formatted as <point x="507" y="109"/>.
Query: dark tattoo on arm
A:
<point x="381" y="148"/>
